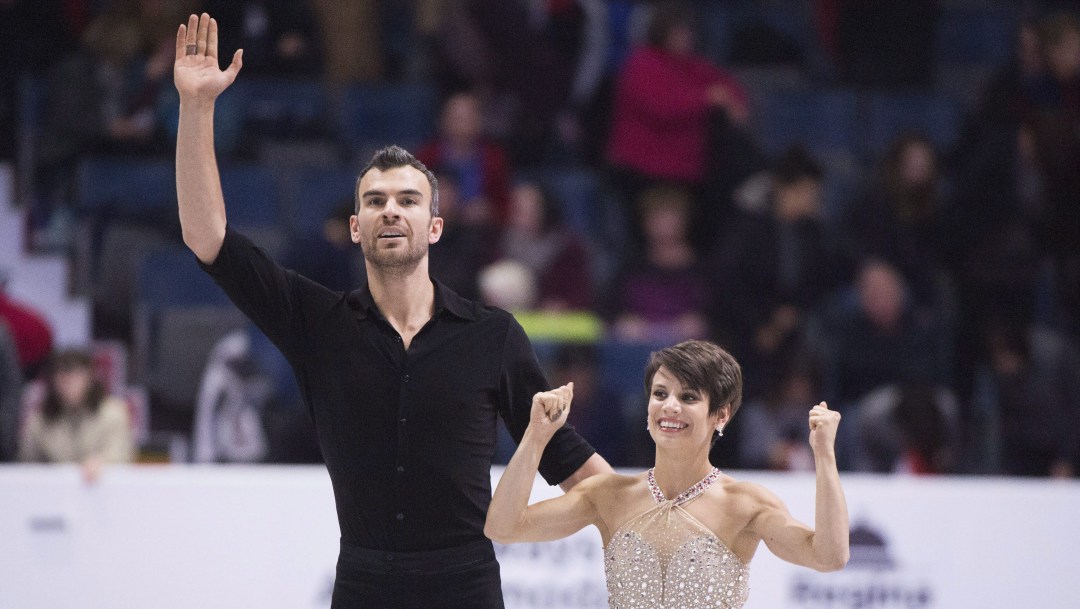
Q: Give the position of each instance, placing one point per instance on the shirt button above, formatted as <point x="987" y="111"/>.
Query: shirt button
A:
<point x="401" y="422"/>
<point x="390" y="557"/>
<point x="401" y="469"/>
<point x="406" y="378"/>
<point x="400" y="516"/>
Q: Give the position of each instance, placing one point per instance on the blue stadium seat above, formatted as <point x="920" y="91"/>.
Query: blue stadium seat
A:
<point x="280" y="106"/>
<point x="316" y="191"/>
<point x="125" y="185"/>
<point x="170" y="277"/>
<point x="890" y="115"/>
<point x="252" y="196"/>
<point x="823" y="121"/>
<point x="376" y="116"/>
<point x="975" y="37"/>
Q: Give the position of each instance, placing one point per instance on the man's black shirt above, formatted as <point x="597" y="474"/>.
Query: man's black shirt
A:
<point x="407" y="436"/>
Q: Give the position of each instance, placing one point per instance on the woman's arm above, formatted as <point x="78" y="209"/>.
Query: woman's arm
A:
<point x="510" y="518"/>
<point x="825" y="547"/>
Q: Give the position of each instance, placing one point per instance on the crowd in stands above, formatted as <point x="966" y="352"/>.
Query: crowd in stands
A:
<point x="870" y="202"/>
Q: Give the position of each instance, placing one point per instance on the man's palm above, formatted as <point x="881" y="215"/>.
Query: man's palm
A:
<point x="197" y="76"/>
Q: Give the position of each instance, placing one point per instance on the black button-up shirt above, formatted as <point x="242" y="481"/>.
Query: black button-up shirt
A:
<point x="407" y="435"/>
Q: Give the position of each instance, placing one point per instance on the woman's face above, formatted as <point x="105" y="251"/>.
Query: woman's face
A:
<point x="679" y="414"/>
<point x="72" y="385"/>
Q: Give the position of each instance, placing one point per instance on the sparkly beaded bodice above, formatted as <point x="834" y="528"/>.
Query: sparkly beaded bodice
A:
<point x="666" y="559"/>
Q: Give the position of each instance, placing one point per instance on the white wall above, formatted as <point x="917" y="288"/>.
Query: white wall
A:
<point x="213" y="536"/>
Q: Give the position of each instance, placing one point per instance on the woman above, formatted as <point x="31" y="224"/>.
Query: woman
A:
<point x="692" y="550"/>
<point x="77" y="422"/>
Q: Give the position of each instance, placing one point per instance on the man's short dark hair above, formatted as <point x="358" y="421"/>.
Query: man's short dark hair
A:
<point x="701" y="366"/>
<point x="393" y="157"/>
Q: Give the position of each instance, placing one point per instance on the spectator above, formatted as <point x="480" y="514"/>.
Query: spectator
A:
<point x="911" y="429"/>
<point x="328" y="257"/>
<point x="775" y="268"/>
<point x="878" y="337"/>
<point x="900" y="220"/>
<point x="1056" y="113"/>
<point x="77" y="422"/>
<point x="1027" y="422"/>
<point x="511" y="52"/>
<point x="663" y="296"/>
<point x="771" y="432"/>
<point x="351" y="29"/>
<point x="102" y="99"/>
<point x="664" y="99"/>
<point x="279" y="37"/>
<point x="466" y="244"/>
<point x="478" y="165"/>
<point x="536" y="237"/>
<point x="30" y="331"/>
<point x="10" y="392"/>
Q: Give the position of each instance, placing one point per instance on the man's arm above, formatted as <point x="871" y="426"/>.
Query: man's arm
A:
<point x="199" y="81"/>
<point x="594" y="465"/>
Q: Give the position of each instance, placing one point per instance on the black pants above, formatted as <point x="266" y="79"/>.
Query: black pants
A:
<point x="452" y="578"/>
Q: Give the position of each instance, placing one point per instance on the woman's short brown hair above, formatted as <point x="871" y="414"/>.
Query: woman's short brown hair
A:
<point x="702" y="366"/>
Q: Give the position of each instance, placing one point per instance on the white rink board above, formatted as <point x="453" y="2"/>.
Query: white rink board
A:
<point x="232" y="536"/>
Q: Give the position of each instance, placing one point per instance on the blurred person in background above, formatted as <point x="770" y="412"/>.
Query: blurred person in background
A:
<point x="663" y="294"/>
<point x="467" y="243"/>
<point x="901" y="218"/>
<point x="1026" y="421"/>
<point x="100" y="100"/>
<point x="279" y="37"/>
<point x="1055" y="117"/>
<point x="907" y="428"/>
<point x="11" y="383"/>
<point x="770" y="431"/>
<point x="478" y="164"/>
<point x="664" y="98"/>
<point x="77" y="422"/>
<point x="774" y="268"/>
<point x="878" y="336"/>
<point x="30" y="332"/>
<point x="537" y="237"/>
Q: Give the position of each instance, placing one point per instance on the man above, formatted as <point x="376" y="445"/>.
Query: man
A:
<point x="403" y="378"/>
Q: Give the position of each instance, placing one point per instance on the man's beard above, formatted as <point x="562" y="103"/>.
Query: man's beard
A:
<point x="396" y="261"/>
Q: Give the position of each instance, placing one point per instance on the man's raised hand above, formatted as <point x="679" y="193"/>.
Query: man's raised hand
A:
<point x="196" y="73"/>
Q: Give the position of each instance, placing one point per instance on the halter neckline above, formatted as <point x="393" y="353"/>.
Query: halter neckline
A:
<point x="691" y="493"/>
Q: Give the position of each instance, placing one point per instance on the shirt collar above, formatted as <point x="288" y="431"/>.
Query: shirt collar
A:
<point x="361" y="301"/>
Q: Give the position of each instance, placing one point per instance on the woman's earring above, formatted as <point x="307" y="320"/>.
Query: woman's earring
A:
<point x="720" y="429"/>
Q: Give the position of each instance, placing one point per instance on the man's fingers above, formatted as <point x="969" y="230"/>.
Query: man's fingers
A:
<point x="211" y="39"/>
<point x="203" y="33"/>
<point x="192" y="30"/>
<point x="181" y="41"/>
<point x="237" y="63"/>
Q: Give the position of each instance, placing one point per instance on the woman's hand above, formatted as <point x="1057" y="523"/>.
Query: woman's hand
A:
<point x="823" y="424"/>
<point x="550" y="408"/>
